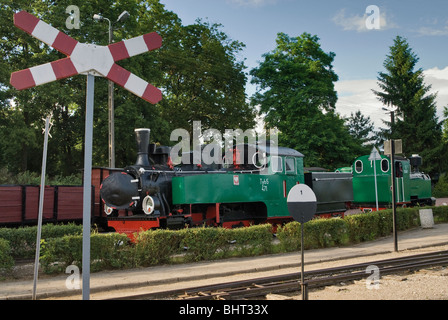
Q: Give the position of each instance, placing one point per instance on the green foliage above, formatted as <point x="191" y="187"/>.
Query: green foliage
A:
<point x="62" y="245"/>
<point x="33" y="178"/>
<point x="23" y="240"/>
<point x="196" y="68"/>
<point x="440" y="214"/>
<point x="318" y="233"/>
<point x="441" y="188"/>
<point x="361" y="129"/>
<point x="415" y="122"/>
<point x="6" y="259"/>
<point x="156" y="246"/>
<point x="203" y="243"/>
<point x="296" y="93"/>
<point x="255" y="242"/>
<point x="107" y="251"/>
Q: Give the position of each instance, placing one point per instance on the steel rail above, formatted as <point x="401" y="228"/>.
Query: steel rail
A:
<point x="291" y="282"/>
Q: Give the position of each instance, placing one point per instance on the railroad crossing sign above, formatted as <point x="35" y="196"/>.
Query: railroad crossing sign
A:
<point x="302" y="203"/>
<point x="91" y="60"/>
<point x="85" y="58"/>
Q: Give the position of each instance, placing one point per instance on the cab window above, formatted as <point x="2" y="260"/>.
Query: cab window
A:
<point x="276" y="164"/>
<point x="290" y="165"/>
<point x="384" y="165"/>
<point x="358" y="166"/>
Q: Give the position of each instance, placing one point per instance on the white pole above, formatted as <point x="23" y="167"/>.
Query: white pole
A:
<point x="87" y="195"/>
<point x="376" y="187"/>
<point x="41" y="206"/>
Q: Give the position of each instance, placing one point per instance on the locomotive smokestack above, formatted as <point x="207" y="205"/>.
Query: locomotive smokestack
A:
<point x="142" y="137"/>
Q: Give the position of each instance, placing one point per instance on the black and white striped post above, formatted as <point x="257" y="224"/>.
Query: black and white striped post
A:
<point x="302" y="205"/>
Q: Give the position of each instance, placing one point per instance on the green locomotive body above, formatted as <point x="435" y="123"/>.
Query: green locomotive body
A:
<point x="241" y="195"/>
<point x="411" y="188"/>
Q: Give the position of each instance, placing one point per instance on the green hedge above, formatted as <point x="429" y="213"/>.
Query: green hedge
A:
<point x="62" y="245"/>
<point x="156" y="246"/>
<point x="440" y="214"/>
<point x="196" y="244"/>
<point x="23" y="240"/>
<point x="318" y="233"/>
<point x="107" y="251"/>
<point x="6" y="259"/>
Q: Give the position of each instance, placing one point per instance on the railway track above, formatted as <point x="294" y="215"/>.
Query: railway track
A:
<point x="291" y="282"/>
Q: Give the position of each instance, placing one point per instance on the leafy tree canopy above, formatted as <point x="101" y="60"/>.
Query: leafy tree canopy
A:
<point x="296" y="94"/>
<point x="196" y="68"/>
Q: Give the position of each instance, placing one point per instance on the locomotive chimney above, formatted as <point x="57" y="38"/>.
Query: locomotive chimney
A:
<point x="142" y="137"/>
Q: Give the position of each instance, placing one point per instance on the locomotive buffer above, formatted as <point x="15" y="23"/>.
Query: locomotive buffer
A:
<point x="302" y="205"/>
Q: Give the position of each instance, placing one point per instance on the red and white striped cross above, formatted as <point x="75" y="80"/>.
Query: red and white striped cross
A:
<point x="83" y="58"/>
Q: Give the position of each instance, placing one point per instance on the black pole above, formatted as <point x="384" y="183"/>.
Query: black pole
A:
<point x="394" y="194"/>
<point x="303" y="285"/>
<point x="394" y="189"/>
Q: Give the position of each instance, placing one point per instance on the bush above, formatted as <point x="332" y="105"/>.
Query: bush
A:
<point x="325" y="233"/>
<point x="107" y="251"/>
<point x="23" y="240"/>
<point x="363" y="227"/>
<point x="156" y="246"/>
<point x="289" y="236"/>
<point x="441" y="188"/>
<point x="204" y="243"/>
<point x="6" y="259"/>
<point x="440" y="214"/>
<point x="407" y="218"/>
<point x="318" y="233"/>
<point x="251" y="241"/>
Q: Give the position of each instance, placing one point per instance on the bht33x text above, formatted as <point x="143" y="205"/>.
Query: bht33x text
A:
<point x="232" y="309"/>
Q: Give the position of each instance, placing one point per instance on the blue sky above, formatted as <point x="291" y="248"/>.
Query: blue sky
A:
<point x="341" y="27"/>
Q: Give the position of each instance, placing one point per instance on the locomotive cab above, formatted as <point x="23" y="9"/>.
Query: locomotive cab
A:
<point x="367" y="174"/>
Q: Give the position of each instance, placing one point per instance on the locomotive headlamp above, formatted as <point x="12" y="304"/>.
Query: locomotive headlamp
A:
<point x="148" y="205"/>
<point x="108" y="210"/>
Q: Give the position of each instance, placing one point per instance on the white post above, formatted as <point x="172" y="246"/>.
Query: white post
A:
<point x="41" y="206"/>
<point x="376" y="187"/>
<point x="87" y="195"/>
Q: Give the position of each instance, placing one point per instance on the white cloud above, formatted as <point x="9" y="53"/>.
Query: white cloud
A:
<point x="428" y="31"/>
<point x="252" y="3"/>
<point x="434" y="29"/>
<point x="438" y="79"/>
<point x="356" y="95"/>
<point x="357" y="22"/>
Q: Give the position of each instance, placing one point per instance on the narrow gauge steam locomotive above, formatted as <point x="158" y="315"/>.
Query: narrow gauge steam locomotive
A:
<point x="152" y="193"/>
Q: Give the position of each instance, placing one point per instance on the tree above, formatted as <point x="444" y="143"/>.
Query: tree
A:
<point x="206" y="83"/>
<point x="196" y="68"/>
<point x="403" y="88"/>
<point x="296" y="94"/>
<point x="361" y="129"/>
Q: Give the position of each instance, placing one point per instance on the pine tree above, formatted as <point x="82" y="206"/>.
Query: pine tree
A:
<point x="362" y="130"/>
<point x="404" y="90"/>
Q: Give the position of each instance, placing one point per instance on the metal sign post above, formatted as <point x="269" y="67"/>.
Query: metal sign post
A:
<point x="391" y="147"/>
<point x="41" y="205"/>
<point x="87" y="192"/>
<point x="394" y="194"/>
<point x="302" y="205"/>
<point x="375" y="155"/>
